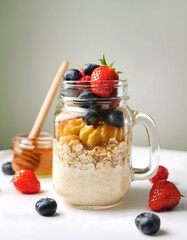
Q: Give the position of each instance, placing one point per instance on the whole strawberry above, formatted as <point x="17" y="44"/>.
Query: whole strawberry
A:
<point x="164" y="195"/>
<point x="25" y="181"/>
<point x="103" y="79"/>
<point x="161" y="174"/>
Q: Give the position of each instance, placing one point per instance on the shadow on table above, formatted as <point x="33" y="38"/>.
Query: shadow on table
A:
<point x="136" y="198"/>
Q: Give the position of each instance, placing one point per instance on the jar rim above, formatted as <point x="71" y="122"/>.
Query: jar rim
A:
<point x="44" y="140"/>
<point x="74" y="90"/>
<point x="44" y="136"/>
<point x="72" y="83"/>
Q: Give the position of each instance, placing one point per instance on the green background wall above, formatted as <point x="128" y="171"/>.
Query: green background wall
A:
<point x="146" y="38"/>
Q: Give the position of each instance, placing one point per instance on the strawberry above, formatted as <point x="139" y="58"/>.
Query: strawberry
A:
<point x="164" y="195"/>
<point x="82" y="73"/>
<point x="103" y="79"/>
<point x="84" y="80"/>
<point x="25" y="181"/>
<point x="161" y="174"/>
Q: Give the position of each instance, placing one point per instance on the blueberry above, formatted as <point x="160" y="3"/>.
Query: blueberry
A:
<point x="88" y="68"/>
<point x="148" y="223"/>
<point x="116" y="118"/>
<point x="46" y="206"/>
<point x="72" y="74"/>
<point x="95" y="106"/>
<point x="104" y="114"/>
<point x="7" y="168"/>
<point x="87" y="99"/>
<point x="91" y="117"/>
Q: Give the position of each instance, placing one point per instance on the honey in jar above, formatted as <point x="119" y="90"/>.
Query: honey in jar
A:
<point x="34" y="154"/>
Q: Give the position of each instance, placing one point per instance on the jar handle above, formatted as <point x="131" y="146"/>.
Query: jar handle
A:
<point x="151" y="169"/>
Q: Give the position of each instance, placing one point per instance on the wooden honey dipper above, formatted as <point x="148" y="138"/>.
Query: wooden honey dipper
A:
<point x="27" y="159"/>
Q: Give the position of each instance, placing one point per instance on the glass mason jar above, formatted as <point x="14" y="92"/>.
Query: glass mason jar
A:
<point x="34" y="154"/>
<point x="92" y="143"/>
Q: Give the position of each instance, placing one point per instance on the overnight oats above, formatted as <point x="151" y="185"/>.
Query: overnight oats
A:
<point x="91" y="164"/>
<point x="92" y="138"/>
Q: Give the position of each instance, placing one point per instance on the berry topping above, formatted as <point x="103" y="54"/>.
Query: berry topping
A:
<point x="148" y="223"/>
<point x="161" y="174"/>
<point x="87" y="99"/>
<point x="7" y="168"/>
<point x="72" y="74"/>
<point x="91" y="117"/>
<point x="88" y="68"/>
<point x="102" y="82"/>
<point x="103" y="79"/>
<point x="115" y="118"/>
<point x="87" y="95"/>
<point x="104" y="114"/>
<point x="85" y="80"/>
<point x="82" y="73"/>
<point x="46" y="206"/>
<point x="164" y="195"/>
<point x="26" y="182"/>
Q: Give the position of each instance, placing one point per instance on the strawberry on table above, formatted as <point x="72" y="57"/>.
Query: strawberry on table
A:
<point x="103" y="79"/>
<point x="164" y="195"/>
<point x="161" y="174"/>
<point x="25" y="181"/>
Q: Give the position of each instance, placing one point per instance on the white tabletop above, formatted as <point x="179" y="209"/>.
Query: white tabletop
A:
<point x="19" y="220"/>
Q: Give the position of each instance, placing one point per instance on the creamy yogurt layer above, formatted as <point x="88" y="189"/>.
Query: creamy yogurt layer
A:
<point x="99" y="176"/>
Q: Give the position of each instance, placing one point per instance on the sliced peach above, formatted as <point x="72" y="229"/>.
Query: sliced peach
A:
<point x="67" y="139"/>
<point x="104" y="132"/>
<point x="112" y="131"/>
<point x="85" y="132"/>
<point x="70" y="127"/>
<point x="119" y="136"/>
<point x="94" y="138"/>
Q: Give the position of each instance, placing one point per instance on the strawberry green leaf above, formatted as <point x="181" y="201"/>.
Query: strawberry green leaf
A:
<point x="112" y="64"/>
<point x="103" y="60"/>
<point x="118" y="72"/>
<point x="104" y="63"/>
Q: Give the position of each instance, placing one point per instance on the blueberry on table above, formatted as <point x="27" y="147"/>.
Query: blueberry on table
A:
<point x="88" y="68"/>
<point x="91" y="117"/>
<point x="116" y="118"/>
<point x="72" y="74"/>
<point x="7" y="168"/>
<point x="148" y="223"/>
<point x="46" y="206"/>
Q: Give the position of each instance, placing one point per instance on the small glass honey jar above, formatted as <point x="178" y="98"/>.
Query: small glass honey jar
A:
<point x="34" y="154"/>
